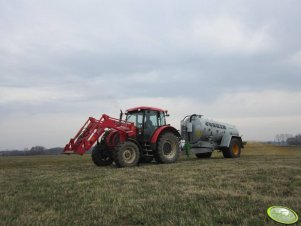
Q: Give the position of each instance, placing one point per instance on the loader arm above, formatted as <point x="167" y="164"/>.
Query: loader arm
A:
<point x="93" y="129"/>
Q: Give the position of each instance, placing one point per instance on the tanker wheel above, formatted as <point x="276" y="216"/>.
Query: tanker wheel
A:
<point x="126" y="154"/>
<point x="100" y="156"/>
<point x="234" y="149"/>
<point x="203" y="155"/>
<point x="168" y="149"/>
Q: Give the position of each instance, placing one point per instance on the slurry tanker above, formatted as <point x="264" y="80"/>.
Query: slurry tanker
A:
<point x="202" y="136"/>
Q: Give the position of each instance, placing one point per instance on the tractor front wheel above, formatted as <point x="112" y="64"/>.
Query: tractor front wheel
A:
<point x="100" y="156"/>
<point x="168" y="149"/>
<point x="126" y="154"/>
<point x="234" y="149"/>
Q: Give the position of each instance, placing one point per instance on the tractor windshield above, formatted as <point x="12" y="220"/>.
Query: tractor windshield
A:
<point x="136" y="118"/>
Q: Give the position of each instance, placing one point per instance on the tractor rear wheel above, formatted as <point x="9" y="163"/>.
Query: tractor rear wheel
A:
<point x="100" y="156"/>
<point x="234" y="149"/>
<point x="126" y="154"/>
<point x="203" y="155"/>
<point x="168" y="149"/>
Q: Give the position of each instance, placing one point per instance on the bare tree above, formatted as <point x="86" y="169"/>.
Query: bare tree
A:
<point x="282" y="138"/>
<point x="277" y="138"/>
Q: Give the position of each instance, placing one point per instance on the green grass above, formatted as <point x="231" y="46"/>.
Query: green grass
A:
<point x="70" y="190"/>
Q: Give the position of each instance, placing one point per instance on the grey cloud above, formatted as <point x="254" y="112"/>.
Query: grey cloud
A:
<point x="121" y="50"/>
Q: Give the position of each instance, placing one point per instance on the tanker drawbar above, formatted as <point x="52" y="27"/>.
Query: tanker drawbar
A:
<point x="203" y="136"/>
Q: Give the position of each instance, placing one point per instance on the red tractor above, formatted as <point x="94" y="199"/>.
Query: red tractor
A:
<point x="141" y="137"/>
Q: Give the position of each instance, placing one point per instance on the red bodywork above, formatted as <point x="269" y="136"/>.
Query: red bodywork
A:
<point x="93" y="129"/>
<point x="161" y="130"/>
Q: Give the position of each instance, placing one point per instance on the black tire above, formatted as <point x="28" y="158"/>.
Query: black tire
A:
<point x="126" y="154"/>
<point x="203" y="155"/>
<point x="168" y="149"/>
<point x="234" y="149"/>
<point x="100" y="156"/>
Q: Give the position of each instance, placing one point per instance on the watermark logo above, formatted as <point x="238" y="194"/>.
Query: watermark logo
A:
<point x="282" y="215"/>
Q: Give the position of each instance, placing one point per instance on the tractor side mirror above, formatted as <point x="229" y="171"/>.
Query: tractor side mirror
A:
<point x="166" y="114"/>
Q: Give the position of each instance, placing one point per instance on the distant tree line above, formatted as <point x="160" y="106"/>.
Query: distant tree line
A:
<point x="36" y="150"/>
<point x="296" y="140"/>
<point x="288" y="139"/>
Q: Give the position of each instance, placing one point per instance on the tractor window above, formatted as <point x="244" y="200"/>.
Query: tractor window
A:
<point x="151" y="118"/>
<point x="136" y="118"/>
<point x="161" y="119"/>
<point x="156" y="118"/>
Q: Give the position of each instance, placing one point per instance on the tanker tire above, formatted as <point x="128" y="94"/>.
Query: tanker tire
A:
<point x="168" y="149"/>
<point x="203" y="155"/>
<point x="126" y="154"/>
<point x="100" y="157"/>
<point x="234" y="149"/>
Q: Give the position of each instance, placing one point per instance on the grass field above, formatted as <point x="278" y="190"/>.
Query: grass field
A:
<point x="70" y="190"/>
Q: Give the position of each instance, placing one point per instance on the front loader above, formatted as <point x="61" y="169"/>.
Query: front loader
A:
<point x="141" y="137"/>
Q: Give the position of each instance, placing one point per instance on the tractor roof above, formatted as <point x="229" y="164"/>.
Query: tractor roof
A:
<point x="144" y="108"/>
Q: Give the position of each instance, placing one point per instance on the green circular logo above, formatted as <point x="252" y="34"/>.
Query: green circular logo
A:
<point x="282" y="214"/>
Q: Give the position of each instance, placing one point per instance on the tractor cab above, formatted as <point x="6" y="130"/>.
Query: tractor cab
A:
<point x="146" y="120"/>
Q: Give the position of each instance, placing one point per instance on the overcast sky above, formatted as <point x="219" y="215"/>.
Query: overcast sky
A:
<point x="62" y="61"/>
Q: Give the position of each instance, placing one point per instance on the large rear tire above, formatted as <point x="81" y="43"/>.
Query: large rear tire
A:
<point x="203" y="155"/>
<point x="100" y="156"/>
<point x="168" y="149"/>
<point x="126" y="154"/>
<point x="234" y="149"/>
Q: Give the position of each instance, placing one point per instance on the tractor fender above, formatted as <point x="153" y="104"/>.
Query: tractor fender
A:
<point x="158" y="132"/>
<point x="227" y="139"/>
<point x="114" y="137"/>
